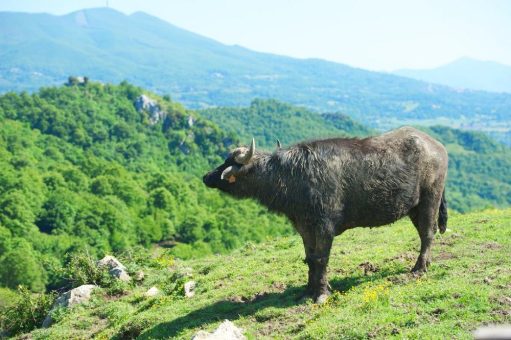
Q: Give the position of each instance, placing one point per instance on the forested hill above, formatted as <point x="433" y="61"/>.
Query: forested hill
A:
<point x="479" y="174"/>
<point x="82" y="169"/>
<point x="41" y="49"/>
<point x="269" y="120"/>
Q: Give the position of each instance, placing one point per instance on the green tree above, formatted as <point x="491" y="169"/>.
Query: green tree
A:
<point x="18" y="266"/>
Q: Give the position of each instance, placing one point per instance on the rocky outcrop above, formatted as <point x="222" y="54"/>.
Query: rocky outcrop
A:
<point x="151" y="106"/>
<point x="70" y="298"/>
<point x="226" y="331"/>
<point x="115" y="268"/>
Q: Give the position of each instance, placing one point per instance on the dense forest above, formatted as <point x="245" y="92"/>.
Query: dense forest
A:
<point x="103" y="168"/>
<point x="82" y="169"/>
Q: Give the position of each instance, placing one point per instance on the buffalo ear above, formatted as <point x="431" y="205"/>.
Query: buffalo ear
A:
<point x="229" y="171"/>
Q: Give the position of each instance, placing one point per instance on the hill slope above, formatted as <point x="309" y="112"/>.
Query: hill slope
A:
<point x="38" y="49"/>
<point x="258" y="287"/>
<point x="466" y="73"/>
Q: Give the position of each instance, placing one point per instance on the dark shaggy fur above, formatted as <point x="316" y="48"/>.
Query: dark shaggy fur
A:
<point x="328" y="186"/>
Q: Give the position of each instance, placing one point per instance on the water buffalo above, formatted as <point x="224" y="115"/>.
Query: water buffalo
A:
<point x="328" y="186"/>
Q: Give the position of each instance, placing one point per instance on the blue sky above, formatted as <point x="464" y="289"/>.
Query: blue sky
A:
<point x="377" y="35"/>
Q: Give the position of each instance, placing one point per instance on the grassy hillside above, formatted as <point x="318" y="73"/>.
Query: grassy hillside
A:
<point x="40" y="49"/>
<point x="479" y="175"/>
<point x="257" y="287"/>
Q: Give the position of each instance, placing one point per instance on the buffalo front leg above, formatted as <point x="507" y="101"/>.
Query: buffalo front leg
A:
<point x="319" y="259"/>
<point x="308" y="244"/>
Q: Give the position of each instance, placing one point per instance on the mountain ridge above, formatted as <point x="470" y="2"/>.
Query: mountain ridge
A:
<point x="201" y="72"/>
<point x="465" y="72"/>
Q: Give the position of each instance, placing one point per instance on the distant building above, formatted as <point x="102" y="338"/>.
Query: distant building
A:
<point x="72" y="81"/>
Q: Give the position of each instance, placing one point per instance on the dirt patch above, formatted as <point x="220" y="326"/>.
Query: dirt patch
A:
<point x="437" y="312"/>
<point x="443" y="256"/>
<point x="500" y="312"/>
<point x="248" y="299"/>
<point x="504" y="300"/>
<point x="279" y="287"/>
<point x="405" y="257"/>
<point x="492" y="245"/>
<point x="369" y="268"/>
<point x="449" y="240"/>
<point x="237" y="299"/>
<point x="398" y="280"/>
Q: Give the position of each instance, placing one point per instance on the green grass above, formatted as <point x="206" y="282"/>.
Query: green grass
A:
<point x="257" y="287"/>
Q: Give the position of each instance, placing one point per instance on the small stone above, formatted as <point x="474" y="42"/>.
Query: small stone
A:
<point x="226" y="331"/>
<point x="120" y="274"/>
<point x="190" y="288"/>
<point x="110" y="262"/>
<point x="139" y="276"/>
<point x="153" y="291"/>
<point x="322" y="299"/>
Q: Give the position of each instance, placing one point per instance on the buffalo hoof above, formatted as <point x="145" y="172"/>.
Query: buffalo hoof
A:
<point x="322" y="298"/>
<point x="418" y="270"/>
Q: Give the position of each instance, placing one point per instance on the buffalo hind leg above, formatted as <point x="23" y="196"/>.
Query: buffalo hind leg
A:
<point x="424" y="218"/>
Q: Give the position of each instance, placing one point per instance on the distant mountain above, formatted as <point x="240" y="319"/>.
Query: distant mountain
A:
<point x="106" y="45"/>
<point x="466" y="73"/>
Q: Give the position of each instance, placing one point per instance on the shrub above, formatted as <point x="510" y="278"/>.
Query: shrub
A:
<point x="82" y="269"/>
<point x="27" y="313"/>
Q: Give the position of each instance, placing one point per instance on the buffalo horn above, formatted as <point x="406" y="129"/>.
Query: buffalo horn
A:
<point x="246" y="157"/>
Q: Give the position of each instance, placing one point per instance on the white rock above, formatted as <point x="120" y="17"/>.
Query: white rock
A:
<point x="153" y="291"/>
<point x="143" y="102"/>
<point x="226" y="331"/>
<point x="493" y="332"/>
<point x="190" y="288"/>
<point x="116" y="268"/>
<point x="70" y="298"/>
<point x="75" y="296"/>
<point x="110" y="262"/>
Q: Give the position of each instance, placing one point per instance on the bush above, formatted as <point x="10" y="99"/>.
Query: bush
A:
<point x="27" y="313"/>
<point x="82" y="269"/>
